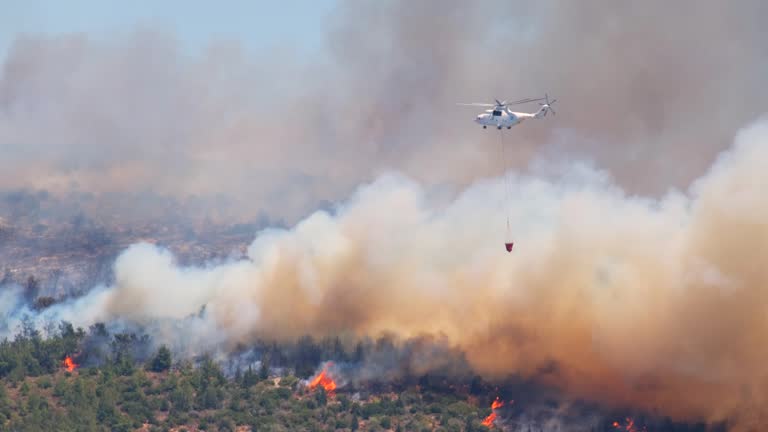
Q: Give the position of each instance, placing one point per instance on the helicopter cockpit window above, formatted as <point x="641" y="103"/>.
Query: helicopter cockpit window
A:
<point x="496" y="113"/>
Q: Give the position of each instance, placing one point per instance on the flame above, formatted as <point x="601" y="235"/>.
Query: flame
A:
<point x="69" y="365"/>
<point x="492" y="417"/>
<point x="629" y="426"/>
<point x="489" y="420"/>
<point x="497" y="404"/>
<point x="324" y="380"/>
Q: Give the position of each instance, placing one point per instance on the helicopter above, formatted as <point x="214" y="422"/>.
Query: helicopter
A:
<point x="501" y="116"/>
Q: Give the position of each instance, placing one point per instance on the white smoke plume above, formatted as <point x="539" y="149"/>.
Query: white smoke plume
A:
<point x="660" y="303"/>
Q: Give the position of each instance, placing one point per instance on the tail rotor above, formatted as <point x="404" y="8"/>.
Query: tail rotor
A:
<point x="547" y="105"/>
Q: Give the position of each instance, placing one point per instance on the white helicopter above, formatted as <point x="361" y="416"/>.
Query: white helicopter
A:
<point x="501" y="116"/>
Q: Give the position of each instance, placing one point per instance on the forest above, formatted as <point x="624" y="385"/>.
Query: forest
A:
<point x="77" y="380"/>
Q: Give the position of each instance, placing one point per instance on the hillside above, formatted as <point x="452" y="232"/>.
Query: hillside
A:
<point x="103" y="398"/>
<point x="39" y="391"/>
<point x="77" y="380"/>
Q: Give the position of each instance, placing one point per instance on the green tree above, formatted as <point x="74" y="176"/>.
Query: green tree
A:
<point x="476" y="386"/>
<point x="162" y="360"/>
<point x="469" y="426"/>
<point x="225" y="424"/>
<point x="122" y="353"/>
<point x="211" y="398"/>
<point x="344" y="403"/>
<point x="203" y="425"/>
<point x="181" y="397"/>
<point x="308" y="356"/>
<point x="264" y="369"/>
<point x="321" y="397"/>
<point x="106" y="411"/>
<point x="386" y="423"/>
<point x="249" y="378"/>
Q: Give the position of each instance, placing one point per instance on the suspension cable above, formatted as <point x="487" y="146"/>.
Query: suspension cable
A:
<point x="507" y="185"/>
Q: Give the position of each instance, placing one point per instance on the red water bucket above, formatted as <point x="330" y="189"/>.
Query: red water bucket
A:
<point x="509" y="246"/>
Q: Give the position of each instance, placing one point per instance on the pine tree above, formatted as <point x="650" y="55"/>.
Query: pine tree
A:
<point x="469" y="427"/>
<point x="249" y="378"/>
<point x="162" y="360"/>
<point x="321" y="397"/>
<point x="264" y="369"/>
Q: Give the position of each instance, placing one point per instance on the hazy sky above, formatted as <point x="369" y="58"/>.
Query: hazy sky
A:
<point x="239" y="109"/>
<point x="255" y="24"/>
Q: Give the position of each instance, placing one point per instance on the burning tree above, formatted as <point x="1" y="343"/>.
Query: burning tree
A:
<point x="69" y="364"/>
<point x="628" y="425"/>
<point x="497" y="403"/>
<point x="324" y="380"/>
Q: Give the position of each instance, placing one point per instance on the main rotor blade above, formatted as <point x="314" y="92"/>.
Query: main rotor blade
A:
<point x="526" y="100"/>
<point x="502" y="104"/>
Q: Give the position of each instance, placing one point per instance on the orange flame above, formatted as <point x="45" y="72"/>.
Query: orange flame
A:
<point x="497" y="404"/>
<point x="629" y="426"/>
<point x="489" y="420"/>
<point x="69" y="365"/>
<point x="324" y="380"/>
<point x="492" y="417"/>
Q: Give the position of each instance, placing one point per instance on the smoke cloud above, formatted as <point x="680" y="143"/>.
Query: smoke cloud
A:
<point x="130" y="125"/>
<point x="657" y="303"/>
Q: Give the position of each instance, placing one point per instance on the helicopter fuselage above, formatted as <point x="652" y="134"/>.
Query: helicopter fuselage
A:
<point x="501" y="118"/>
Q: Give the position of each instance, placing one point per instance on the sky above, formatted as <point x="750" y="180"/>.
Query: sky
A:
<point x="257" y="25"/>
<point x="242" y="109"/>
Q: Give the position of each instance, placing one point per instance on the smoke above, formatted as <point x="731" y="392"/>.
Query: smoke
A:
<point x="638" y="284"/>
<point x="658" y="303"/>
<point x="137" y="127"/>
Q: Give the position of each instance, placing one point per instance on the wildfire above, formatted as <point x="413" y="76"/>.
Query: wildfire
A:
<point x="324" y="380"/>
<point x="497" y="404"/>
<point x="489" y="420"/>
<point x="68" y="364"/>
<point x="492" y="417"/>
<point x="629" y="426"/>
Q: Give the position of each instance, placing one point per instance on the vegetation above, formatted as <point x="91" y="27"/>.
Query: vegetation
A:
<point x="116" y="389"/>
